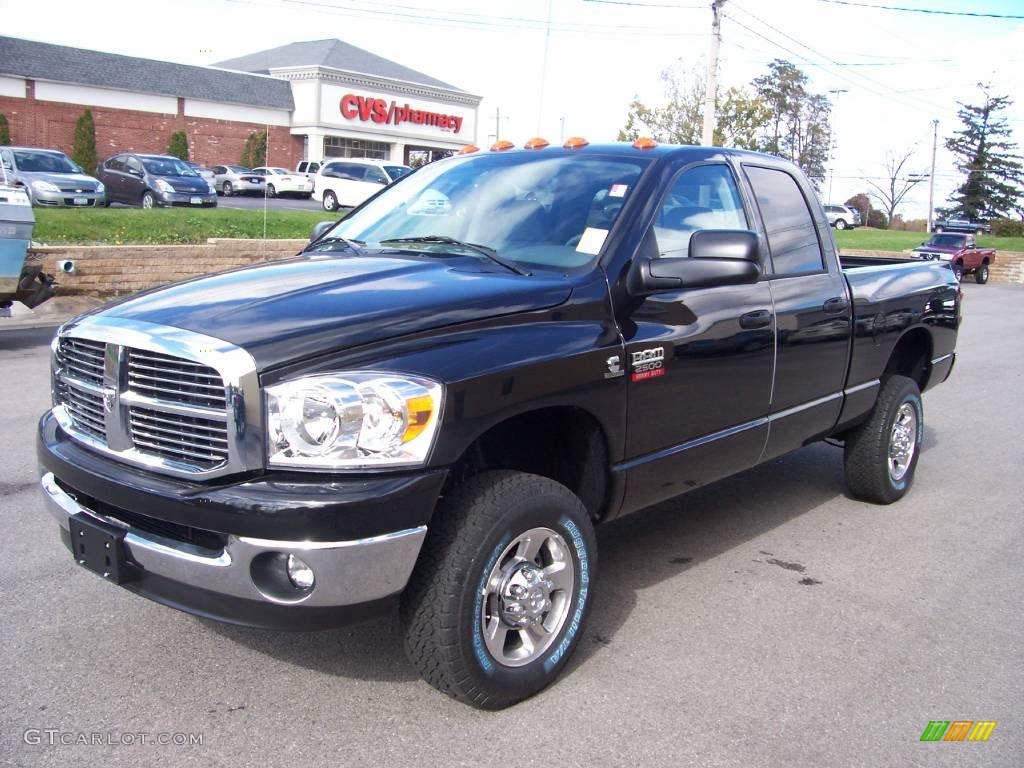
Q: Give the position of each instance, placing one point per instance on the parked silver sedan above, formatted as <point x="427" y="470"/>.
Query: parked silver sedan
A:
<point x="49" y="177"/>
<point x="231" y="180"/>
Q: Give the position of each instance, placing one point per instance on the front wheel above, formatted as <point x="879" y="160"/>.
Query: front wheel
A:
<point x="981" y="274"/>
<point x="958" y="272"/>
<point x="498" y="599"/>
<point x="330" y="201"/>
<point x="148" y="199"/>
<point x="881" y="454"/>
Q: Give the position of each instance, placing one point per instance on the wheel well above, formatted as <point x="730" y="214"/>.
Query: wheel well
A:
<point x="911" y="357"/>
<point x="564" y="444"/>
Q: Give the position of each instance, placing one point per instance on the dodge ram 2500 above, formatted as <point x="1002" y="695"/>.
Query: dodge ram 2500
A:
<point x="435" y="403"/>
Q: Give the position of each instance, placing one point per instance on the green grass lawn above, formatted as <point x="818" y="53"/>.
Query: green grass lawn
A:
<point x="117" y="226"/>
<point x="891" y="240"/>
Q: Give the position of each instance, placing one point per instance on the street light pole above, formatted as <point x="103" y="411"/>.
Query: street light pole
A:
<point x="711" y="88"/>
<point x="931" y="180"/>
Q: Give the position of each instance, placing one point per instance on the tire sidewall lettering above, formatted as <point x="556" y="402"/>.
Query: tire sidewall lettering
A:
<point x="479" y="649"/>
<point x="580" y="545"/>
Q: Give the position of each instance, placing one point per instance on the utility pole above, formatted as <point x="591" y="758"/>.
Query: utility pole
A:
<point x="931" y="179"/>
<point x="835" y="143"/>
<point x="711" y="89"/>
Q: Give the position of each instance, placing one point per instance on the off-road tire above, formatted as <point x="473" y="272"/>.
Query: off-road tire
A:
<point x="441" y="606"/>
<point x="866" y="452"/>
<point x="981" y="274"/>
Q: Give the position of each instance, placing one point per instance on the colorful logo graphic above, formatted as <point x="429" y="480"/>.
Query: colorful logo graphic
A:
<point x="958" y="730"/>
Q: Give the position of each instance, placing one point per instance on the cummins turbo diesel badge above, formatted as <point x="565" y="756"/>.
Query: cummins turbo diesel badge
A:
<point x="648" y="363"/>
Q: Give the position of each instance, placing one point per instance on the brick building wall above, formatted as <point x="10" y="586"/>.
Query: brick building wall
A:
<point x="51" y="125"/>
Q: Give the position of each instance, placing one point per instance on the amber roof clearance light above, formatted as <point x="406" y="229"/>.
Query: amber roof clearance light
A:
<point x="575" y="142"/>
<point x="645" y="142"/>
<point x="536" y="143"/>
<point x="469" y="149"/>
<point x="502" y="146"/>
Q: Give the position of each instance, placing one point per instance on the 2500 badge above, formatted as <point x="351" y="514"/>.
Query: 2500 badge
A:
<point x="648" y="363"/>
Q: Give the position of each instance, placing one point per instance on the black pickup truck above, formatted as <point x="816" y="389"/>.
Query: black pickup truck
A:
<point x="435" y="402"/>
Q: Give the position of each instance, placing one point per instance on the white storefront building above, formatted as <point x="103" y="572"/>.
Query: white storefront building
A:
<point x="351" y="103"/>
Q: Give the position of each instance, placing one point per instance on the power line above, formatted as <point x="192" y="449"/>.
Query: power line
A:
<point x="894" y="92"/>
<point x="930" y="11"/>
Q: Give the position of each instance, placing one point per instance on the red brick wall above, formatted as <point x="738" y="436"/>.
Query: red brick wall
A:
<point x="211" y="142"/>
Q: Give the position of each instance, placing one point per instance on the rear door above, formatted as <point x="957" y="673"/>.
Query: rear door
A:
<point x="972" y="257"/>
<point x="699" y="360"/>
<point x="812" y="310"/>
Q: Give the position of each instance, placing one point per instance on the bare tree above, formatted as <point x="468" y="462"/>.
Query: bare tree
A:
<point x="898" y="184"/>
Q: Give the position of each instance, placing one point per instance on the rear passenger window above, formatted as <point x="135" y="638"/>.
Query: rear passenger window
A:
<point x="792" y="236"/>
<point x="704" y="197"/>
<point x="375" y="174"/>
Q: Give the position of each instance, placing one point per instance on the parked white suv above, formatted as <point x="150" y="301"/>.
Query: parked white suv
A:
<point x="842" y="216"/>
<point x="347" y="182"/>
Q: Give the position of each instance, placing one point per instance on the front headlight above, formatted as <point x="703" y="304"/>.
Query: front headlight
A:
<point x="352" y="420"/>
<point x="163" y="186"/>
<point x="44" y="186"/>
<point x="100" y="189"/>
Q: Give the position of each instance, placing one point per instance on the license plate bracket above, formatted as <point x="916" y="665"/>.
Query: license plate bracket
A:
<point x="196" y="200"/>
<point x="100" y="549"/>
<point x="81" y="201"/>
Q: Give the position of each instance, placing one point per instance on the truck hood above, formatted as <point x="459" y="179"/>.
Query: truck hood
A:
<point x="283" y="311"/>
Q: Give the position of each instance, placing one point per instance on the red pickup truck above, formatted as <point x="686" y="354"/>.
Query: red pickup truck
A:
<point x="960" y="250"/>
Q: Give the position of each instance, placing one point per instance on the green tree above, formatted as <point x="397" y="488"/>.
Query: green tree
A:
<point x="5" y="131"/>
<point x="178" y="145"/>
<point x="798" y="128"/>
<point x="986" y="154"/>
<point x="84" y="149"/>
<point x="742" y="117"/>
<point x="679" y="119"/>
<point x="254" y="153"/>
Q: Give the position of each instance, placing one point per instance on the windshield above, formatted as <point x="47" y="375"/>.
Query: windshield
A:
<point x="550" y="210"/>
<point x="167" y="166"/>
<point x="44" y="162"/>
<point x="947" y="241"/>
<point x="397" y="171"/>
<point x="238" y="169"/>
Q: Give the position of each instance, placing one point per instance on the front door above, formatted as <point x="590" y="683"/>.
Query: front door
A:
<point x="699" y="361"/>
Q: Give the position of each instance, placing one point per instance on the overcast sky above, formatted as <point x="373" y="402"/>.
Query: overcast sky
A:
<point x="900" y="70"/>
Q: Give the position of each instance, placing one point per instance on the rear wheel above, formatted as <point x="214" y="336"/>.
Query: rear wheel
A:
<point x="271" y="192"/>
<point x="881" y="454"/>
<point x="840" y="224"/>
<point x="330" y="201"/>
<point x="938" y="230"/>
<point x="227" y="189"/>
<point x="498" y="599"/>
<point x="981" y="274"/>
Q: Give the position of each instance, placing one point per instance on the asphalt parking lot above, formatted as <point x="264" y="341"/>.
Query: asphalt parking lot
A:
<point x="767" y="620"/>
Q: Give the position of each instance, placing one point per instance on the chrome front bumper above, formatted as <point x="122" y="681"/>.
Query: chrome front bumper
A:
<point x="348" y="573"/>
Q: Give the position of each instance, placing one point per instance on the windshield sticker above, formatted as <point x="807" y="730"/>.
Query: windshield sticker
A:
<point x="592" y="240"/>
<point x="618" y="190"/>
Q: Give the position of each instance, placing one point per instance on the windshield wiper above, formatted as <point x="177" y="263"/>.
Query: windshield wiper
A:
<point x="354" y="245"/>
<point x="483" y="250"/>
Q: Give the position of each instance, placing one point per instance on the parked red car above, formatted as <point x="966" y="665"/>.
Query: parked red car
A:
<point x="961" y="250"/>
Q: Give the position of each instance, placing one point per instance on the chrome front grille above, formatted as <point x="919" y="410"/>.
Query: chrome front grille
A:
<point x="82" y="359"/>
<point x="177" y="437"/>
<point x="171" y="378"/>
<point x="167" y="400"/>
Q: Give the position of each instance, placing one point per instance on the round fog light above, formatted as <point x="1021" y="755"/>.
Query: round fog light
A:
<point x="300" y="574"/>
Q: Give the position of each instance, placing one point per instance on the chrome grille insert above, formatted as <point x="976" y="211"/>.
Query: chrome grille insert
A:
<point x="158" y="397"/>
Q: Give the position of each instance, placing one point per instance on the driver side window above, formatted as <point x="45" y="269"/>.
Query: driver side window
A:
<point x="704" y="197"/>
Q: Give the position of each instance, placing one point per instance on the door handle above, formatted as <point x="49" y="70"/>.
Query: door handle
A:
<point x="760" y="318"/>
<point x="835" y="305"/>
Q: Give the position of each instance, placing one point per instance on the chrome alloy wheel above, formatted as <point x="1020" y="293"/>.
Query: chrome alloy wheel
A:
<point x="902" y="441"/>
<point x="527" y="596"/>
